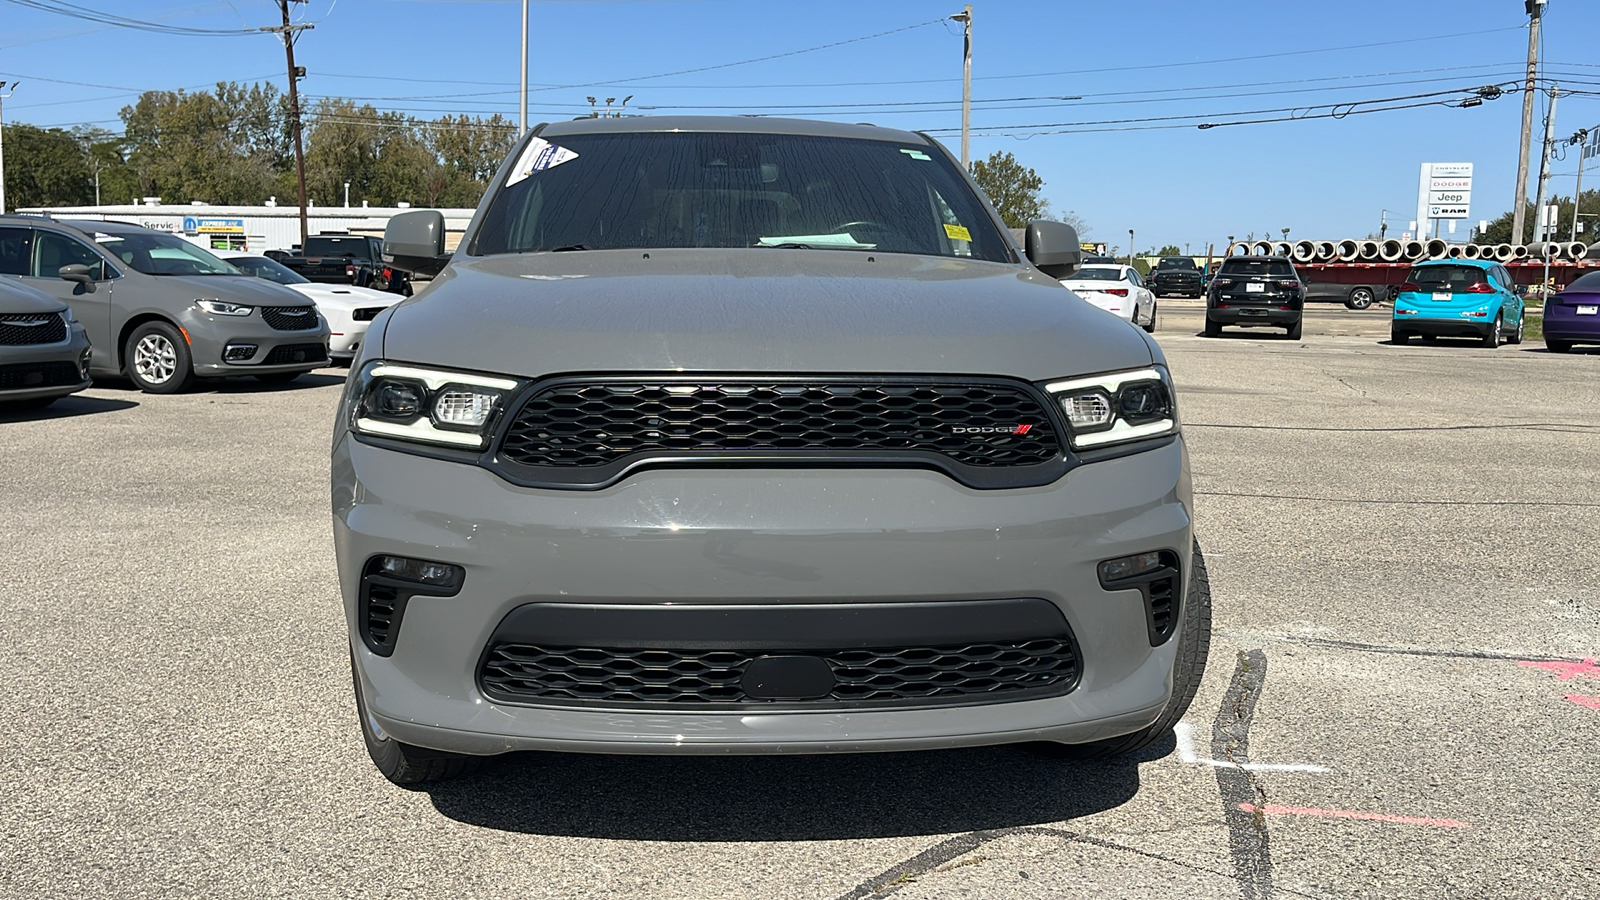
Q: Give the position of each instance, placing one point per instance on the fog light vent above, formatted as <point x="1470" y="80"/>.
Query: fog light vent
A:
<point x="238" y="352"/>
<point x="1154" y="574"/>
<point x="387" y="584"/>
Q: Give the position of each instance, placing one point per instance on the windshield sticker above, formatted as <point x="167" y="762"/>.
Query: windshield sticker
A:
<point x="540" y="155"/>
<point x="846" y="241"/>
<point x="957" y="233"/>
<point x="916" y="154"/>
<point x="101" y="237"/>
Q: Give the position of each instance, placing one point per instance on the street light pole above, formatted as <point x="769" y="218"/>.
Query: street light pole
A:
<point x="3" y="144"/>
<point x="965" y="17"/>
<point x="1545" y="230"/>
<point x="1581" y="141"/>
<point x="522" y="99"/>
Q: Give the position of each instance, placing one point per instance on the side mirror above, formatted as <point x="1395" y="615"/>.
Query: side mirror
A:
<point x="414" y="242"/>
<point x="1522" y="290"/>
<point x="78" y="272"/>
<point x="1053" y="247"/>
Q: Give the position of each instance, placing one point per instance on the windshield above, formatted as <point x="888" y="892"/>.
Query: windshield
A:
<point x="1589" y="284"/>
<point x="604" y="191"/>
<point x="261" y="267"/>
<point x="1097" y="275"/>
<point x="1176" y="264"/>
<point x="154" y="253"/>
<point x="336" y="246"/>
<point x="1275" y="267"/>
<point x="1447" y="278"/>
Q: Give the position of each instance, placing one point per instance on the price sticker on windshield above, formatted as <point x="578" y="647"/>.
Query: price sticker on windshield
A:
<point x="540" y="155"/>
<point x="957" y="233"/>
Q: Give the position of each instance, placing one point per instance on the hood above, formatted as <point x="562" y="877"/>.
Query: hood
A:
<point x="16" y="297"/>
<point x="233" y="288"/>
<point x="755" y="311"/>
<point x="344" y="296"/>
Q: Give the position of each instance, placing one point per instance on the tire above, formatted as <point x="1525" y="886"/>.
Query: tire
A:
<point x="1187" y="671"/>
<point x="1296" y="328"/>
<point x="278" y="377"/>
<point x="1399" y="338"/>
<point x="1151" y="328"/>
<point x="1492" y="339"/>
<point x="1558" y="346"/>
<point x="402" y="763"/>
<point x="1516" y="336"/>
<point x="158" y="360"/>
<point x="1360" y="298"/>
<point x="1212" y="329"/>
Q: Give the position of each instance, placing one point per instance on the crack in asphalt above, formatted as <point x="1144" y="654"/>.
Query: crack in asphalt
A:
<point x="1230" y="740"/>
<point x="1333" y="644"/>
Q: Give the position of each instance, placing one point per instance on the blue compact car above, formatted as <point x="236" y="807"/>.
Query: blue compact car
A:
<point x="1458" y="298"/>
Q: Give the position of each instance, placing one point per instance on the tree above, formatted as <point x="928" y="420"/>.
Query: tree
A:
<point x="45" y="167"/>
<point x="1169" y="250"/>
<point x="226" y="147"/>
<point x="1499" y="230"/>
<point x="1013" y="189"/>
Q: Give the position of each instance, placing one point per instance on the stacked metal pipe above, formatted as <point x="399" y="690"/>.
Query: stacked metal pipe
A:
<point x="1359" y="250"/>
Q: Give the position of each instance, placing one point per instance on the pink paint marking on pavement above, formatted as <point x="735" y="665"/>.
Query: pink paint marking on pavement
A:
<point x="1351" y="814"/>
<point x="1591" y="702"/>
<point x="1564" y="670"/>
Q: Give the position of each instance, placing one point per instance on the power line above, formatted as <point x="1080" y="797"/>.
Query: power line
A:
<point x="74" y="11"/>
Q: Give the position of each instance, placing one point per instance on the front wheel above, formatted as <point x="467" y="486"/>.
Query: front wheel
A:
<point x="1187" y="669"/>
<point x="1360" y="298"/>
<point x="403" y="763"/>
<point x="158" y="359"/>
<point x="1492" y="339"/>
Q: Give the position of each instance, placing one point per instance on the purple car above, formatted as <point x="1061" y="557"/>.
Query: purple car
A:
<point x="1573" y="316"/>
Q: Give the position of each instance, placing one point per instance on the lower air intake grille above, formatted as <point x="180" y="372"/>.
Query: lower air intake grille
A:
<point x="37" y="375"/>
<point x="707" y="679"/>
<point x="285" y="354"/>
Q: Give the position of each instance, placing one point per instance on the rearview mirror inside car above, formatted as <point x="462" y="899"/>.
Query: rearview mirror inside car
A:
<point x="414" y="242"/>
<point x="79" y="273"/>
<point x="1053" y="247"/>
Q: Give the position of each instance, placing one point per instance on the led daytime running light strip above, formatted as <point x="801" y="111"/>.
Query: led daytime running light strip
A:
<point x="419" y="431"/>
<point x="435" y="380"/>
<point x="1110" y="381"/>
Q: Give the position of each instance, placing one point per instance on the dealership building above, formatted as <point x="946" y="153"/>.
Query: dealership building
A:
<point x="255" y="228"/>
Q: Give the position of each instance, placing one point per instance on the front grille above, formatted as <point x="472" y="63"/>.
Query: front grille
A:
<point x="290" y="318"/>
<point x="366" y="313"/>
<point x="284" y="354"/>
<point x="17" y="329"/>
<point x="894" y="676"/>
<point x="983" y="424"/>
<point x="37" y="375"/>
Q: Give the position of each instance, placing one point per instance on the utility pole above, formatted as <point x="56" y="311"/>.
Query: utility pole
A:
<point x="1548" y="228"/>
<point x="1130" y="247"/>
<point x="1581" y="141"/>
<point x="965" y="17"/>
<point x="289" y="33"/>
<point x="1535" y="10"/>
<point x="1383" y="224"/>
<point x="522" y="99"/>
<point x="3" y="144"/>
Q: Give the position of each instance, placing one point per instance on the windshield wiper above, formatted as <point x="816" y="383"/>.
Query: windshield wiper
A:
<point x="570" y="247"/>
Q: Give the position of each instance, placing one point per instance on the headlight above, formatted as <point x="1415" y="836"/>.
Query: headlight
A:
<point x="1117" y="407"/>
<point x="223" y="308"/>
<point x="433" y="406"/>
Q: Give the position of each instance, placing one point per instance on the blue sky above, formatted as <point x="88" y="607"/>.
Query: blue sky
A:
<point x="1322" y="178"/>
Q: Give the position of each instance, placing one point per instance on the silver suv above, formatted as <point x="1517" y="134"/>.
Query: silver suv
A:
<point x="756" y="436"/>
<point x="160" y="310"/>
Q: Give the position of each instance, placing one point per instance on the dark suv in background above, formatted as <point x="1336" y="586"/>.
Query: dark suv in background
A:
<point x="1176" y="275"/>
<point x="338" y="257"/>
<point x="1255" y="291"/>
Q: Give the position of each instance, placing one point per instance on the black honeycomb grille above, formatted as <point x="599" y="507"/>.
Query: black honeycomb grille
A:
<point x="19" y="329"/>
<point x="36" y="375"/>
<point x="599" y="423"/>
<point x="290" y="318"/>
<point x="899" y="676"/>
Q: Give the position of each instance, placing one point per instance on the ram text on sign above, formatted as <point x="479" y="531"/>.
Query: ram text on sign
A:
<point x="1447" y="212"/>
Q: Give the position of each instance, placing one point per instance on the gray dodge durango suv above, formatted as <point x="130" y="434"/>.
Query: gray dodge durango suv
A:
<point x="756" y="436"/>
<point x="160" y="310"/>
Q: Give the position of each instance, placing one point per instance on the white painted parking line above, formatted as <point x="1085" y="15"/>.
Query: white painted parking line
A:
<point x="1184" y="732"/>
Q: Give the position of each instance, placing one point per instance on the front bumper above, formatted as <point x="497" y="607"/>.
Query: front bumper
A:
<point x="753" y="536"/>
<point x="276" y="350"/>
<point x="48" y="365"/>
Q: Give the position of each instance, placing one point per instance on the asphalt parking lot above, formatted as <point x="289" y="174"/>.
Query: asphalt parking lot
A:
<point x="1401" y="699"/>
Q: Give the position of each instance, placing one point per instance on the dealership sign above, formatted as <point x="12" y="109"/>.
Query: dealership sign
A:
<point x="1444" y="191"/>
<point x="194" y="225"/>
